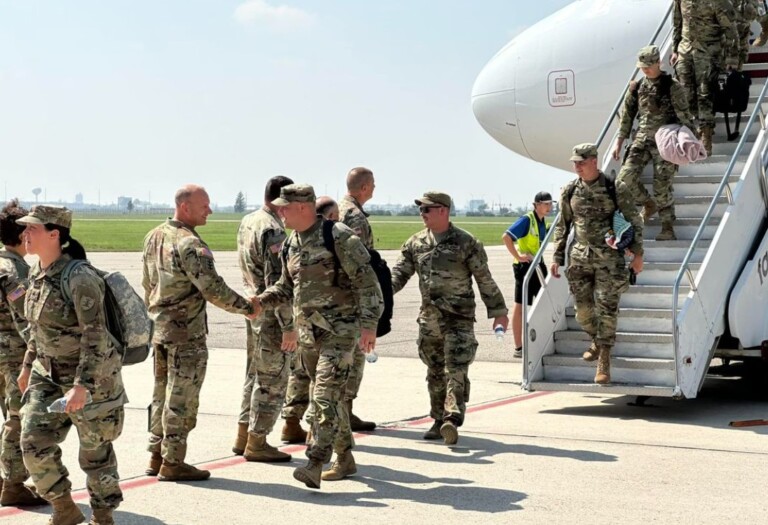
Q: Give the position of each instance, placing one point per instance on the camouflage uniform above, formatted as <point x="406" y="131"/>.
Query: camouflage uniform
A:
<point x="13" y="284"/>
<point x="72" y="347"/>
<point x="297" y="392"/>
<point x="746" y="13"/>
<point x="329" y="319"/>
<point x="259" y="242"/>
<point x="596" y="273"/>
<point x="699" y="27"/>
<point x="446" y="264"/>
<point x="654" y="106"/>
<point x="351" y="213"/>
<point x="179" y="277"/>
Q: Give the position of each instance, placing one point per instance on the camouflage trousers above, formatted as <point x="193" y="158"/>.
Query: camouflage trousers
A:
<point x="640" y="153"/>
<point x="355" y="375"/>
<point x="697" y="71"/>
<point x="596" y="292"/>
<point x="327" y="364"/>
<point x="266" y="379"/>
<point x="179" y="374"/>
<point x="447" y="345"/>
<point x="11" y="460"/>
<point x="745" y="31"/>
<point x="98" y="425"/>
<point x="297" y="392"/>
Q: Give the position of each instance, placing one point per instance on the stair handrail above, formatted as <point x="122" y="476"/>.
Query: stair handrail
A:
<point x="540" y="253"/>
<point x="685" y="269"/>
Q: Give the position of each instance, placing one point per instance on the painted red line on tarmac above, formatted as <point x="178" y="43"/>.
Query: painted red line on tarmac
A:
<point x="291" y="449"/>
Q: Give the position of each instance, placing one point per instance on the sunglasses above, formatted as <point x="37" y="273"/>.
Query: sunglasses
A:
<point x="425" y="209"/>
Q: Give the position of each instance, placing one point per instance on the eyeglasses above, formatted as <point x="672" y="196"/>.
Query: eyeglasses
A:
<point x="425" y="209"/>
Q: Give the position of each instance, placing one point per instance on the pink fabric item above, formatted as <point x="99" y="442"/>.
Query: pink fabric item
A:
<point x="678" y="144"/>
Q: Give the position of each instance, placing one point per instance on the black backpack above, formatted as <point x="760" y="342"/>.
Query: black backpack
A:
<point x="732" y="96"/>
<point x="381" y="270"/>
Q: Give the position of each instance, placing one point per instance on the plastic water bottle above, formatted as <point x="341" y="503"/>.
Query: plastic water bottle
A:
<point x="499" y="331"/>
<point x="60" y="404"/>
<point x="372" y="356"/>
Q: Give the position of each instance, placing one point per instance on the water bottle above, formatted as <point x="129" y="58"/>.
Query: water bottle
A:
<point x="60" y="404"/>
<point x="499" y="331"/>
<point x="372" y="356"/>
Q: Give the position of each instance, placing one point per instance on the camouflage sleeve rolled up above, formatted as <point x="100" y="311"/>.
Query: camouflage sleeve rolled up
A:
<point x="628" y="111"/>
<point x="677" y="26"/>
<point x="87" y="290"/>
<point x="356" y="263"/>
<point x="489" y="291"/>
<point x="404" y="268"/>
<point x="282" y="291"/>
<point x="272" y="245"/>
<point x="562" y="226"/>
<point x="680" y="104"/>
<point x="197" y="262"/>
<point x="13" y="291"/>
<point x="145" y="281"/>
<point x="625" y="200"/>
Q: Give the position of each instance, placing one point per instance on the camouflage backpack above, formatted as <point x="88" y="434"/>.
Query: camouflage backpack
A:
<point x="128" y="323"/>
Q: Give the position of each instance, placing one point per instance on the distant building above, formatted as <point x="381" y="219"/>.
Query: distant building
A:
<point x="475" y="205"/>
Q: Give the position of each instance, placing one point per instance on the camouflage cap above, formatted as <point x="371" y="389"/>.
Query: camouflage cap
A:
<point x="648" y="56"/>
<point x="295" y="193"/>
<point x="434" y="198"/>
<point x="42" y="214"/>
<point x="584" y="151"/>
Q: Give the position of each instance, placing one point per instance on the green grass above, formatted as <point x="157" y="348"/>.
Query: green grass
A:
<point x="120" y="233"/>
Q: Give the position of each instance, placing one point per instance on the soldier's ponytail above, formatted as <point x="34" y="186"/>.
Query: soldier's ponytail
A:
<point x="69" y="245"/>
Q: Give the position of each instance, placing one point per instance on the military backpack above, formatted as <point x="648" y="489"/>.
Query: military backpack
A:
<point x="128" y="323"/>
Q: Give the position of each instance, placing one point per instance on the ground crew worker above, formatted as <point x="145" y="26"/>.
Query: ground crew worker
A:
<point x="446" y="258"/>
<point x="360" y="186"/>
<point x="69" y="355"/>
<point x="597" y="274"/>
<point x="13" y="332"/>
<point x="272" y="338"/>
<point x="332" y="311"/>
<point x="179" y="277"/>
<point x="528" y="232"/>
<point x="698" y="28"/>
<point x="656" y="100"/>
<point x="328" y="208"/>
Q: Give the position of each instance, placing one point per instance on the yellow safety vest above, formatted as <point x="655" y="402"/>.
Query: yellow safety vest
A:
<point x="530" y="243"/>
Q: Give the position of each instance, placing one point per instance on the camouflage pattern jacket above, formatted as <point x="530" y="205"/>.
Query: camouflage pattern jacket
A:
<point x="446" y="265"/>
<point x="701" y="25"/>
<point x="590" y="213"/>
<point x="179" y="277"/>
<point x="260" y="241"/>
<point x="746" y="10"/>
<point x="14" y="271"/>
<point x="352" y="214"/>
<point x="654" y="106"/>
<point x="307" y="279"/>
<point x="70" y="340"/>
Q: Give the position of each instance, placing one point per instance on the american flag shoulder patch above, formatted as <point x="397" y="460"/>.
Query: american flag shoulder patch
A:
<point x="204" y="252"/>
<point x="18" y="293"/>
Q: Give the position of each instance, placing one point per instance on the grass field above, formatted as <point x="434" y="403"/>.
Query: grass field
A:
<point x="122" y="233"/>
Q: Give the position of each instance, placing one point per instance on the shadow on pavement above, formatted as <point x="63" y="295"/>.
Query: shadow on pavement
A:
<point x="124" y="518"/>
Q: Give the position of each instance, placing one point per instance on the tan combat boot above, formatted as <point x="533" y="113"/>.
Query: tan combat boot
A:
<point x="343" y="466"/>
<point x="155" y="462"/>
<point x="357" y="424"/>
<point x="763" y="38"/>
<point x="310" y="475"/>
<point x="259" y="450"/>
<point x="592" y="353"/>
<point x="434" y="431"/>
<point x="706" y="139"/>
<point x="449" y="432"/>
<point x="292" y="431"/>
<point x="102" y="517"/>
<point x="667" y="232"/>
<point x="242" y="438"/>
<point x="649" y="208"/>
<point x="65" y="512"/>
<point x="181" y="472"/>
<point x="603" y="375"/>
<point x="19" y="495"/>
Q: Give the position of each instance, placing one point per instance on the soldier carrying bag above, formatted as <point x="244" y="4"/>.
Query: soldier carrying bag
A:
<point x="128" y="323"/>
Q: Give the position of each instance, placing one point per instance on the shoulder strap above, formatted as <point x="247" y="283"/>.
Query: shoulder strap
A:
<point x="610" y="187"/>
<point x="330" y="244"/>
<point x="666" y="84"/>
<point x="571" y="189"/>
<point x="66" y="275"/>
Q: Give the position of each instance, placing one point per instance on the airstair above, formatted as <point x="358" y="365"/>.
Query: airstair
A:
<point x="673" y="320"/>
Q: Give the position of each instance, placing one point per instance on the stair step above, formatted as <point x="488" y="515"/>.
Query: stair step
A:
<point x="651" y="296"/>
<point x="627" y="370"/>
<point x="613" y="388"/>
<point x="631" y="363"/>
<point x="621" y="337"/>
<point x="633" y="320"/>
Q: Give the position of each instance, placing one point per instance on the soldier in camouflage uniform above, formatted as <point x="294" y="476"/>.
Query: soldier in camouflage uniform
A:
<point x="446" y="259"/>
<point x="597" y="275"/>
<point x="360" y="186"/>
<point x="271" y="338"/>
<point x="699" y="27"/>
<point x="746" y="13"/>
<point x="69" y="355"/>
<point x="333" y="311"/>
<point x="655" y="101"/>
<point x="13" y="334"/>
<point x="328" y="208"/>
<point x="179" y="278"/>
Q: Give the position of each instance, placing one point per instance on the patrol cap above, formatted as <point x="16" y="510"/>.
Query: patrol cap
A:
<point x="434" y="198"/>
<point x="584" y="151"/>
<point x="648" y="56"/>
<point x="295" y="193"/>
<point x="542" y="196"/>
<point x="42" y="214"/>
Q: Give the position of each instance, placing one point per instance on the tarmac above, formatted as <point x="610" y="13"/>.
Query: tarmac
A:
<point x="522" y="457"/>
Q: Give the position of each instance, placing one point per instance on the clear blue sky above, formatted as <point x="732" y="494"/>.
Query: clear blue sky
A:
<point x="138" y="97"/>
